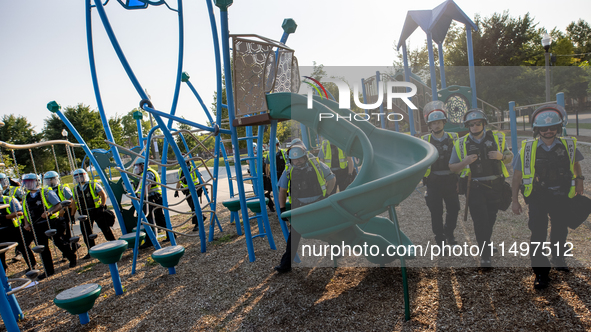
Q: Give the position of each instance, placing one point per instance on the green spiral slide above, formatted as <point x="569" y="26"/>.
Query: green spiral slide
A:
<point x="393" y="165"/>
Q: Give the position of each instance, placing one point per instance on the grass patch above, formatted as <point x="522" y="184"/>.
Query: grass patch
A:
<point x="223" y="239"/>
<point x="86" y="268"/>
<point x="581" y="125"/>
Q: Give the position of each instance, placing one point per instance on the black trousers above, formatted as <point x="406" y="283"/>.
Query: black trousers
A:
<point x="12" y="234"/>
<point x="442" y="189"/>
<point x="483" y="205"/>
<point x="86" y="227"/>
<point x="343" y="179"/>
<point x="290" y="252"/>
<point x="542" y="206"/>
<point x="42" y="239"/>
<point x="192" y="206"/>
<point x="156" y="214"/>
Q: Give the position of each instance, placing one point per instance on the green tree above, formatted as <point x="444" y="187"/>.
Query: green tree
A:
<point x="18" y="130"/>
<point x="580" y="34"/>
<point x="87" y="123"/>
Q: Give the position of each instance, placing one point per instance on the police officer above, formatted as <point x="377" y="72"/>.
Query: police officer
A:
<point x="182" y="184"/>
<point x="341" y="165"/>
<point x="154" y="192"/>
<point x="440" y="181"/>
<point x="306" y="181"/>
<point x="281" y="163"/>
<point x="549" y="173"/>
<point x="41" y="210"/>
<point x="12" y="189"/>
<point x="10" y="222"/>
<point x="91" y="200"/>
<point x="52" y="180"/>
<point x="481" y="155"/>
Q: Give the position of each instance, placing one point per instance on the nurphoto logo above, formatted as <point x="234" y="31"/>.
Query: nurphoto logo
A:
<point x="345" y="102"/>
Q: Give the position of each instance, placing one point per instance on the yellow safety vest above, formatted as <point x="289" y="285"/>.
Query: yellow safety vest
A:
<point x="12" y="194"/>
<point x="327" y="151"/>
<point x="158" y="188"/>
<point x="95" y="198"/>
<point x="194" y="177"/>
<point x="460" y="147"/>
<point x="47" y="206"/>
<point x="60" y="191"/>
<point x="528" y="162"/>
<point x="319" y="176"/>
<point x="453" y="136"/>
<point x="7" y="200"/>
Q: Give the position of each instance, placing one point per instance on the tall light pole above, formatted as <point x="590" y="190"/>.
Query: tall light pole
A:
<point x="546" y="41"/>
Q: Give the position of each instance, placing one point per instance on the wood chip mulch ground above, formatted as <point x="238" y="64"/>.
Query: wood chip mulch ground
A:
<point x="220" y="290"/>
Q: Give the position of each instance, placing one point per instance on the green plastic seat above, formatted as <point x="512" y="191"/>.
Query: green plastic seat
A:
<point x="255" y="205"/>
<point x="287" y="206"/>
<point x="169" y="256"/>
<point x="78" y="300"/>
<point x="109" y="252"/>
<point x="232" y="204"/>
<point x="130" y="238"/>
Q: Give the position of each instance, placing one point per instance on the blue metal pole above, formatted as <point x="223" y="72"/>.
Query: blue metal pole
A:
<point x="116" y="278"/>
<point x="513" y="120"/>
<point x="411" y="116"/>
<point x="230" y="97"/>
<point x="9" y="308"/>
<point x="471" y="65"/>
<point x="6" y="310"/>
<point x="84" y="318"/>
<point x="441" y="65"/>
<point x="432" y="67"/>
<point x="171" y="270"/>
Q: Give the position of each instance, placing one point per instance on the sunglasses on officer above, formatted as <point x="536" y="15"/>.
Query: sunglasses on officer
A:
<point x="552" y="128"/>
<point x="475" y="123"/>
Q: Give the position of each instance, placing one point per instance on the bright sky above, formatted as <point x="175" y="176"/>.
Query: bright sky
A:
<point x="43" y="53"/>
